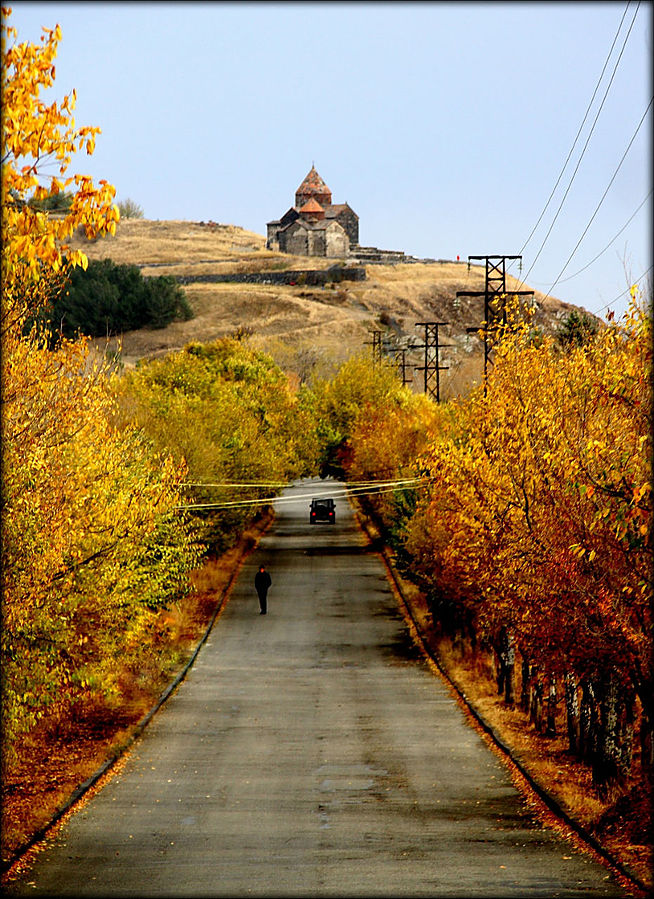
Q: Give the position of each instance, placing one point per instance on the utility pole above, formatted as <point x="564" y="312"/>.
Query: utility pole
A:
<point x="432" y="367"/>
<point x="400" y="358"/>
<point x="376" y="347"/>
<point x="494" y="295"/>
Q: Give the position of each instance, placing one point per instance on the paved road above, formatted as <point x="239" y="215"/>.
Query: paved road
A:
<point x="311" y="752"/>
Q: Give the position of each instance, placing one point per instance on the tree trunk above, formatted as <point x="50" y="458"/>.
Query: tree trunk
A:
<point x="588" y="720"/>
<point x="500" y="673"/>
<point x="646" y="730"/>
<point x="612" y="758"/>
<point x="509" y="684"/>
<point x="572" y="713"/>
<point x="550" y="727"/>
<point x="536" y="701"/>
<point x="505" y="653"/>
<point x="524" y="686"/>
<point x="472" y="636"/>
<point x="605" y="759"/>
<point x="646" y="746"/>
<point x="458" y="643"/>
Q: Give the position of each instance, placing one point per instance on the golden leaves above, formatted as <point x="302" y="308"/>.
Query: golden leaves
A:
<point x="34" y="135"/>
<point x="537" y="496"/>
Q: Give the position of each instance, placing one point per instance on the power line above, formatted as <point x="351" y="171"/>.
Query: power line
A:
<point x="565" y="164"/>
<point x="286" y="483"/>
<point x="624" y="292"/>
<point x="624" y="155"/>
<point x="588" y="264"/>
<point x="583" y="152"/>
<point x="367" y="488"/>
<point x="228" y="484"/>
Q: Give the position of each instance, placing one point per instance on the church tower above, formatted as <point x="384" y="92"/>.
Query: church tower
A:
<point x="313" y="187"/>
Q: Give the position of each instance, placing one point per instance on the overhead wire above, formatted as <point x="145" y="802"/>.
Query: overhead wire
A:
<point x="613" y="239"/>
<point x="624" y="155"/>
<point x="624" y="292"/>
<point x="227" y="484"/>
<point x="574" y="144"/>
<point x="590" y="134"/>
<point x="380" y="487"/>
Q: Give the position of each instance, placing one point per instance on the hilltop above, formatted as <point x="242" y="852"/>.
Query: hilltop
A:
<point x="305" y="327"/>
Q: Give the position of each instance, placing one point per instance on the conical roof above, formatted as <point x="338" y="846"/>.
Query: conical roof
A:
<point x="313" y="186"/>
<point x="312" y="208"/>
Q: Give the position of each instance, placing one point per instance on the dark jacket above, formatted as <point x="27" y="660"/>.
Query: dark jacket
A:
<point x="262" y="581"/>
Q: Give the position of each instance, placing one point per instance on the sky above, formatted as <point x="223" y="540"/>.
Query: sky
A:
<point x="451" y="129"/>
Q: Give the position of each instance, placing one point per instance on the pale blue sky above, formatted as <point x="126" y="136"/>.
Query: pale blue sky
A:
<point x="444" y="125"/>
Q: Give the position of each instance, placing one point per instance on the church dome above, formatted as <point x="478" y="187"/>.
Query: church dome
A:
<point x="313" y="187"/>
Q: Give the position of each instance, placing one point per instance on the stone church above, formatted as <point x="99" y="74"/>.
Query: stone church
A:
<point x="315" y="226"/>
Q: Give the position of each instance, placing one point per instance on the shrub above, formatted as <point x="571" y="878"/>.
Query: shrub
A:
<point x="228" y="413"/>
<point x="57" y="202"/>
<point x="577" y="329"/>
<point x="130" y="210"/>
<point x="108" y="299"/>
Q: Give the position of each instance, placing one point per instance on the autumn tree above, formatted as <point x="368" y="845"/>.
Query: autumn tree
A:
<point x="530" y="531"/>
<point x="229" y="414"/>
<point x="342" y="400"/>
<point x="539" y="509"/>
<point x="93" y="543"/>
<point x="36" y="137"/>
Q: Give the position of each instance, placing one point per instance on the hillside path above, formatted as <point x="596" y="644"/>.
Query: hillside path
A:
<point x="311" y="752"/>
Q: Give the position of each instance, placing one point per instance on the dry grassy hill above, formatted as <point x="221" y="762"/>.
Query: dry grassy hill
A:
<point x="304" y="328"/>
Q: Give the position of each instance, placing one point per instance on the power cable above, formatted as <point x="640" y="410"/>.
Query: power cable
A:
<point x="227" y="484"/>
<point x="624" y="292"/>
<point x="624" y="155"/>
<point x="613" y="239"/>
<point x="565" y="164"/>
<point x="381" y="487"/>
<point x="583" y="152"/>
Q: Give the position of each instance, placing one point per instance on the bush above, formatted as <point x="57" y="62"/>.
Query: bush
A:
<point x="108" y="299"/>
<point x="228" y="413"/>
<point x="130" y="210"/>
<point x="59" y="202"/>
<point x="578" y="329"/>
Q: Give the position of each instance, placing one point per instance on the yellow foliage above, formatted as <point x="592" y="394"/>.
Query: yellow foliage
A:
<point x="93" y="542"/>
<point x="543" y="495"/>
<point x="35" y="137"/>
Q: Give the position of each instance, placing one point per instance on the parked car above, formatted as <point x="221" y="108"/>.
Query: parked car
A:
<point x="322" y="510"/>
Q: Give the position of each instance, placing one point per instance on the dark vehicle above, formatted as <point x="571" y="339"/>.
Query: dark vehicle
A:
<point x="322" y="510"/>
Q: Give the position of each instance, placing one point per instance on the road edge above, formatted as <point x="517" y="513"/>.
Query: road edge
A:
<point x="628" y="879"/>
<point x="247" y="547"/>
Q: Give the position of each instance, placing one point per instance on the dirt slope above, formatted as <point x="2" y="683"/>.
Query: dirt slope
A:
<point x="305" y="327"/>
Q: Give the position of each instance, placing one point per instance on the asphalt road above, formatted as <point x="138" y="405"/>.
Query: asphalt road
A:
<point x="311" y="752"/>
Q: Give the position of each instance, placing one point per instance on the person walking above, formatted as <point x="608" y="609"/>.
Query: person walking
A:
<point x="262" y="582"/>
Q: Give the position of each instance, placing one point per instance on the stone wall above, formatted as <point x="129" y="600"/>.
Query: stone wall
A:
<point x="337" y="241"/>
<point x="295" y="240"/>
<point x="350" y="222"/>
<point x="311" y="277"/>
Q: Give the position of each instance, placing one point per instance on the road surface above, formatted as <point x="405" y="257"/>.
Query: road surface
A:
<point x="311" y="752"/>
